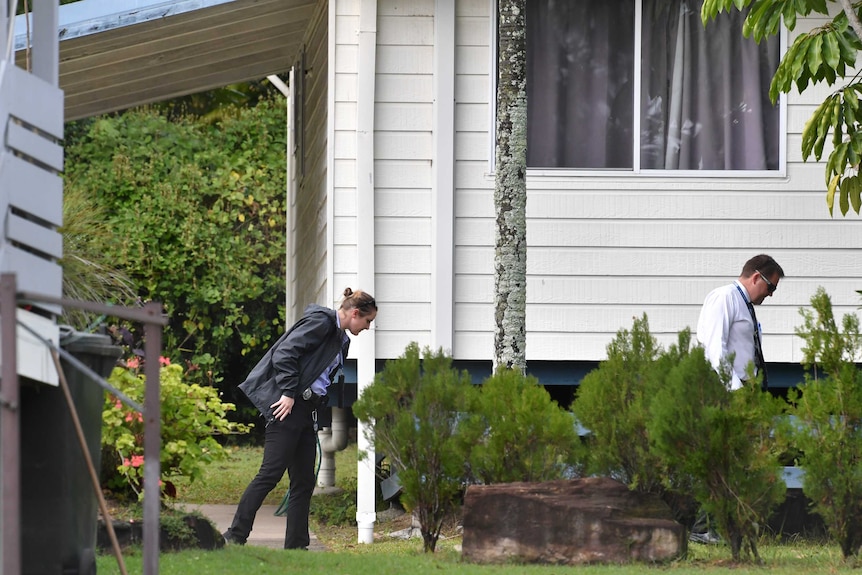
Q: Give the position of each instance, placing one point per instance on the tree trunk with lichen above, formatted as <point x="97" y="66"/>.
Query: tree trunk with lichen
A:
<point x="510" y="189"/>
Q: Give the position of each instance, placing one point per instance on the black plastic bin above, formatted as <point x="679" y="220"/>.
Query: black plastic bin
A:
<point x="59" y="508"/>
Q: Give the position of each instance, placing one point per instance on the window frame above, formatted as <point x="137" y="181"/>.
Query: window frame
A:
<point x="636" y="170"/>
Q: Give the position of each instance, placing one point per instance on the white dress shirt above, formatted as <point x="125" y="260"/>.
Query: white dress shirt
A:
<point x="726" y="327"/>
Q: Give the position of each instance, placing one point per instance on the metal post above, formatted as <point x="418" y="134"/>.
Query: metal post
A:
<point x="10" y="431"/>
<point x="152" y="439"/>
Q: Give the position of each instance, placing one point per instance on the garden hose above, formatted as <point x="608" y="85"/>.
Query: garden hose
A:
<point x="282" y="508"/>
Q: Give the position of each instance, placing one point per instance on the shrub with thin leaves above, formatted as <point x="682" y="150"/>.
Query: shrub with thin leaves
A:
<point x="613" y="403"/>
<point x="191" y="417"/>
<point x="826" y="427"/>
<point x="416" y="408"/>
<point x="724" y="442"/>
<point x="518" y="433"/>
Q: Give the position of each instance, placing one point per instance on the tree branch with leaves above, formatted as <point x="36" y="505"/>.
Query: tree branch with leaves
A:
<point x="823" y="54"/>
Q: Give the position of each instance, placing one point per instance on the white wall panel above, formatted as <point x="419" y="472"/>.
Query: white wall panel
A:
<point x="401" y="117"/>
<point x="404" y="288"/>
<point x="414" y="88"/>
<point x="407" y="60"/>
<point x="403" y="174"/>
<point x="406" y="8"/>
<point x="403" y="231"/>
<point x="398" y="30"/>
<point x="403" y="146"/>
<point x="409" y="203"/>
<point x="403" y="260"/>
<point x="344" y="144"/>
<point x="392" y="344"/>
<point x="473" y="118"/>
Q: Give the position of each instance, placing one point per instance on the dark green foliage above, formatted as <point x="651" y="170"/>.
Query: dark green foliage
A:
<point x="723" y="441"/>
<point x="336" y="508"/>
<point x="613" y="404"/>
<point x="519" y="434"/>
<point x="827" y="424"/>
<point x="416" y="406"/>
<point x="197" y="214"/>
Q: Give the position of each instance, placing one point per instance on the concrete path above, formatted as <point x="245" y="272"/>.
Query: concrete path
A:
<point x="268" y="529"/>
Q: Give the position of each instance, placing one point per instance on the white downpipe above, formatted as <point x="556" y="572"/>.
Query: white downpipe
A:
<point x="287" y="91"/>
<point x="365" y="100"/>
<point x="332" y="439"/>
<point x="443" y="187"/>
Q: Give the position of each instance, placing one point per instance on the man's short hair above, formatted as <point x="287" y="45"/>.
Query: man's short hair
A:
<point x="764" y="264"/>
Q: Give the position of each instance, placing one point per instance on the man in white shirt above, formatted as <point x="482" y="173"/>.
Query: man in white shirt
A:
<point x="728" y="324"/>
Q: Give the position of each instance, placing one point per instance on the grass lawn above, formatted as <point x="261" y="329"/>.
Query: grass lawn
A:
<point x="224" y="482"/>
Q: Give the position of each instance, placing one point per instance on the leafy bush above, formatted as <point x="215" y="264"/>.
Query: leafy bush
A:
<point x="196" y="214"/>
<point x="723" y="441"/>
<point x="613" y="403"/>
<point x="416" y="406"/>
<point x="518" y="433"/>
<point x="826" y="427"/>
<point x="191" y="416"/>
<point x="336" y="508"/>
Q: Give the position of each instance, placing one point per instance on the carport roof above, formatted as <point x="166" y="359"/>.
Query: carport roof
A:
<point x="115" y="54"/>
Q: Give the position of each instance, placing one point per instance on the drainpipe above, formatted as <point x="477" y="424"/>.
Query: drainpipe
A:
<point x="367" y="352"/>
<point x="287" y="91"/>
<point x="332" y="439"/>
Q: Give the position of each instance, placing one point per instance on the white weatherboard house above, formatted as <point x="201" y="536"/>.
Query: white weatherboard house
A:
<point x="656" y="168"/>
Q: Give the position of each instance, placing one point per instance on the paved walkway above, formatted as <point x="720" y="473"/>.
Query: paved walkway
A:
<point x="268" y="529"/>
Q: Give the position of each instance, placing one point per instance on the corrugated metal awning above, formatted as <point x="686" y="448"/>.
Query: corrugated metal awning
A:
<point x="115" y="54"/>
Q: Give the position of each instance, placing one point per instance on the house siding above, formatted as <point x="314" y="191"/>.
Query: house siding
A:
<point x="602" y="249"/>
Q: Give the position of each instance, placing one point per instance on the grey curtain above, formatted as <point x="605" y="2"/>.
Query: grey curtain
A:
<point x="579" y="70"/>
<point x="703" y="102"/>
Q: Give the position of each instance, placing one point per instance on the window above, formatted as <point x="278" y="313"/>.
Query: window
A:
<point x="601" y="71"/>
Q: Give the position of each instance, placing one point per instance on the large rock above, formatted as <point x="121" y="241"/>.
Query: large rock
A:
<point x="593" y="520"/>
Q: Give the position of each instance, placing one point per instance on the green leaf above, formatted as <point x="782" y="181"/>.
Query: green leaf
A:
<point x="838" y="133"/>
<point x="770" y="27"/>
<point x="831" y="50"/>
<point x="789" y="17"/>
<point x="855" y="193"/>
<point x="809" y="132"/>
<point x="844" y="200"/>
<point x="818" y="6"/>
<point x="813" y="54"/>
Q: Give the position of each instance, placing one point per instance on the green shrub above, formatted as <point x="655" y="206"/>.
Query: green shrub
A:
<point x="518" y="433"/>
<point x="416" y="406"/>
<point x="827" y="425"/>
<point x="191" y="416"/>
<point x="613" y="403"/>
<point x="723" y="441"/>
<point x="196" y="215"/>
<point x="336" y="508"/>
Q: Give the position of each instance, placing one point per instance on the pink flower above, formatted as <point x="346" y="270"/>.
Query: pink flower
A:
<point x="137" y="460"/>
<point x="118" y="404"/>
<point x="134" y="416"/>
<point x="164" y="360"/>
<point x="133" y="363"/>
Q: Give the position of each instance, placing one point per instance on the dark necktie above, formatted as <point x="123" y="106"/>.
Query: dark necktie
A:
<point x="758" y="351"/>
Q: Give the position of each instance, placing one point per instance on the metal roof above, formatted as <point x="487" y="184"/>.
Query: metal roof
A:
<point x="115" y="54"/>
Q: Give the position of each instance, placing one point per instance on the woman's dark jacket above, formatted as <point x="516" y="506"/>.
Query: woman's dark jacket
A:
<point x="296" y="359"/>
